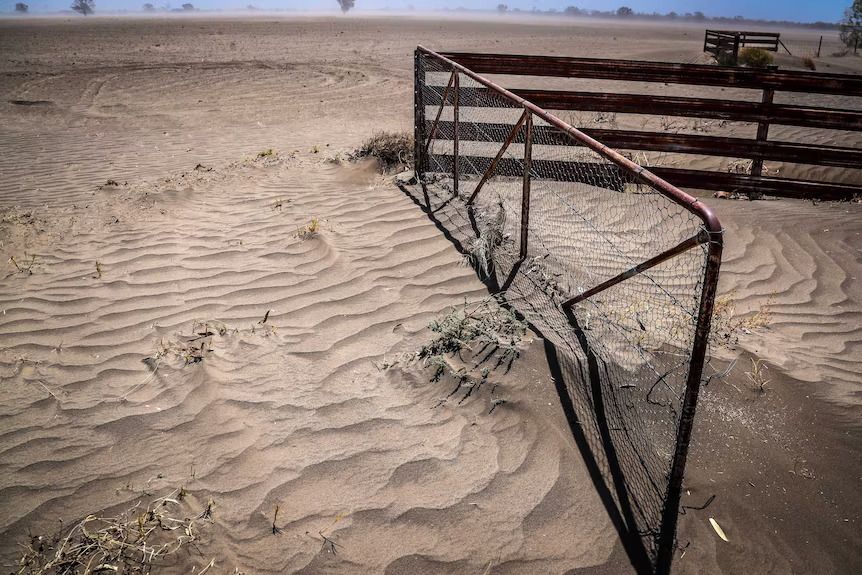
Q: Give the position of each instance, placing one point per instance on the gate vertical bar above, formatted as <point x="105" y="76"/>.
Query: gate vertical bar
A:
<point x="525" y="195"/>
<point x="670" y="513"/>
<point x="418" y="116"/>
<point x="455" y="133"/>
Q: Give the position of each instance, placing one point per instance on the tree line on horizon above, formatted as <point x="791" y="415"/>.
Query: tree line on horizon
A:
<point x="697" y="16"/>
<point x="850" y="26"/>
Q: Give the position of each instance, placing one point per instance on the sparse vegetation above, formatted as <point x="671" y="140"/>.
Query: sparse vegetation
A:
<point x="492" y="238"/>
<point x="850" y="30"/>
<point x="391" y="149"/>
<point x="726" y="327"/>
<point x="84" y="7"/>
<point x="267" y="153"/>
<point x="309" y="230"/>
<point x="755" y="57"/>
<point x="470" y="335"/>
<point x="808" y="62"/>
<point x="132" y="542"/>
<point x="25" y="267"/>
<point x="757" y="375"/>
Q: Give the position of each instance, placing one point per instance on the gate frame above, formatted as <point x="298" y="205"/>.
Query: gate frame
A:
<point x="711" y="235"/>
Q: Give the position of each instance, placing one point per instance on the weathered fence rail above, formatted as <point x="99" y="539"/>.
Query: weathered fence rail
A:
<point x="762" y="112"/>
<point x="613" y="264"/>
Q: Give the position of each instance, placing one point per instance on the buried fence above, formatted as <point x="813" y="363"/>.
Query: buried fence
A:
<point x="616" y="267"/>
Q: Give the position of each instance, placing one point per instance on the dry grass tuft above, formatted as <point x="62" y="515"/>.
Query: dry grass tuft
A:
<point x="726" y="327"/>
<point x="757" y="375"/>
<point x="471" y="335"/>
<point x="808" y="62"/>
<point x="309" y="230"/>
<point x="25" y="267"/>
<point x="755" y="57"/>
<point x="491" y="239"/>
<point x="392" y="150"/>
<point x="133" y="542"/>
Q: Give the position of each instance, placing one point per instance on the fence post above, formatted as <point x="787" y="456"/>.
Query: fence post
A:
<point x="670" y="513"/>
<point x="736" y="50"/>
<point x="455" y="157"/>
<point x="418" y="117"/>
<point x="525" y="195"/>
<point x="819" y="45"/>
<point x="762" y="135"/>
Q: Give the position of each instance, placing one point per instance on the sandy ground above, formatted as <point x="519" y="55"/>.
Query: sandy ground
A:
<point x="293" y="412"/>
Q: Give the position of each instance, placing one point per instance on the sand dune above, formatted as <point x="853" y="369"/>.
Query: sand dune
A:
<point x="291" y="412"/>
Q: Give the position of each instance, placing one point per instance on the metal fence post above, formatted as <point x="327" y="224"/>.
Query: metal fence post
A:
<point x="418" y="117"/>
<point x="670" y="513"/>
<point x="525" y="195"/>
<point x="455" y="157"/>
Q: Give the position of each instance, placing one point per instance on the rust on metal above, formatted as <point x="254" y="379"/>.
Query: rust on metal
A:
<point x="681" y="247"/>
<point x="827" y="185"/>
<point x="525" y="193"/>
<point x="685" y="200"/>
<point x="433" y="131"/>
<point x="493" y="166"/>
<point x="455" y="135"/>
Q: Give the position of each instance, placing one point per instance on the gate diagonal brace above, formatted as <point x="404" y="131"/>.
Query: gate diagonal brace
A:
<point x="701" y="237"/>
<point x="493" y="166"/>
<point x="439" y="112"/>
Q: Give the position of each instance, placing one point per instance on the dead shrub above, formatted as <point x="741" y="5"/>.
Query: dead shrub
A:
<point x="391" y="149"/>
<point x="755" y="57"/>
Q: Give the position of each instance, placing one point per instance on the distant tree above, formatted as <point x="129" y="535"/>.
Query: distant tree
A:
<point x="149" y="7"/>
<point x="84" y="6"/>
<point x="850" y="30"/>
<point x="672" y="15"/>
<point x="502" y="8"/>
<point x="698" y="16"/>
<point x="624" y="11"/>
<point x="346" y="5"/>
<point x="188" y="7"/>
<point x="21" y="7"/>
<point x="572" y="10"/>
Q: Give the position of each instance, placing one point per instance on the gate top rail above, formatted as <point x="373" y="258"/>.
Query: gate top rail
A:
<point x="690" y="203"/>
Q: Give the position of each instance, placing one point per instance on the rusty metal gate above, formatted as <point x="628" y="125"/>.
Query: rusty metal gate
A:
<point x="613" y="265"/>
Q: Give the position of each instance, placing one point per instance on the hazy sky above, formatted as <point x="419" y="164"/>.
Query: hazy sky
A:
<point x="801" y="10"/>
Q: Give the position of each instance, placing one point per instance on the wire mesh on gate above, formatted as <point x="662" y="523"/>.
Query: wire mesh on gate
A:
<point x="548" y="219"/>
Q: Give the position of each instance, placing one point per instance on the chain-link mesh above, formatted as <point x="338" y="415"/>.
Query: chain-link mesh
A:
<point x="628" y="347"/>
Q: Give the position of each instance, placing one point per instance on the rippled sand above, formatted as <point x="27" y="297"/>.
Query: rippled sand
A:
<point x="293" y="412"/>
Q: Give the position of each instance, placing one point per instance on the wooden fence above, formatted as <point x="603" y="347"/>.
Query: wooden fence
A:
<point x="725" y="44"/>
<point x="763" y="113"/>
